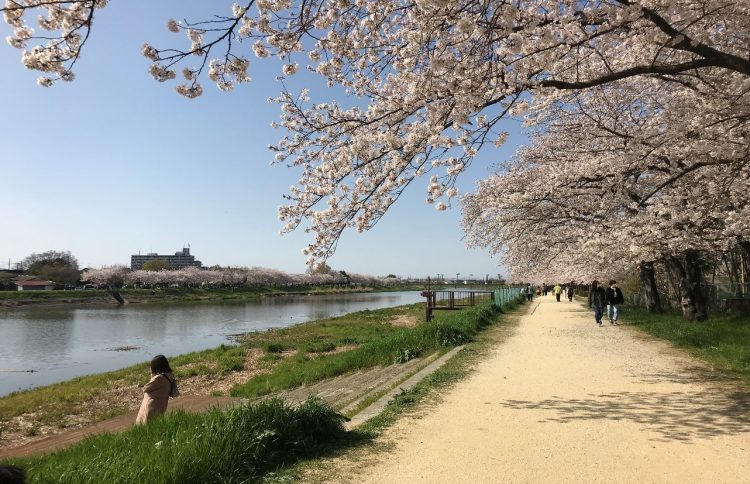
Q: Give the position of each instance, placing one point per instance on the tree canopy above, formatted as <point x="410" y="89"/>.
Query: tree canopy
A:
<point x="57" y="266"/>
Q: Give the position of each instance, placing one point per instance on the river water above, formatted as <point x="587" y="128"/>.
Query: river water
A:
<point x="61" y="343"/>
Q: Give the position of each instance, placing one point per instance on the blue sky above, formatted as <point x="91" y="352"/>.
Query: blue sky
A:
<point x="116" y="163"/>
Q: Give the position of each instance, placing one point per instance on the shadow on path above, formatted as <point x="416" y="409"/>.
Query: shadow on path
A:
<point x="677" y="416"/>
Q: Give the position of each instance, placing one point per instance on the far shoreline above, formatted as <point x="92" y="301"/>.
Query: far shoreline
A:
<point x="100" y="297"/>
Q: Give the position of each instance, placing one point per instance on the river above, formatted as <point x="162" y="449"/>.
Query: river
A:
<point x="65" y="342"/>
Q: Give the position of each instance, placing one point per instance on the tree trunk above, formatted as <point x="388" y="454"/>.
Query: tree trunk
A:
<point x="744" y="268"/>
<point x="687" y="270"/>
<point x="648" y="287"/>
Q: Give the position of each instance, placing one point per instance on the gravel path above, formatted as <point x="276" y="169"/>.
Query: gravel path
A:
<point x="562" y="400"/>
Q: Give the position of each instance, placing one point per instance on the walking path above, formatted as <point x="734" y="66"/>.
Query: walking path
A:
<point x="562" y="400"/>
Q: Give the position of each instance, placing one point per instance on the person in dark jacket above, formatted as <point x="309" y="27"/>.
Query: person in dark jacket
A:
<point x="614" y="299"/>
<point x="597" y="301"/>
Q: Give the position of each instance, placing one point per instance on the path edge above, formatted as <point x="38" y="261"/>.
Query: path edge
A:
<point x="379" y="405"/>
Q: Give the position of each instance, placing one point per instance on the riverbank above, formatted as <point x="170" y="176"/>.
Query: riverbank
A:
<point x="261" y="362"/>
<point x="18" y="299"/>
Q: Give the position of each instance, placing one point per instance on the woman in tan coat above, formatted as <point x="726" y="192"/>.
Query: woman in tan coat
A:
<point x="156" y="392"/>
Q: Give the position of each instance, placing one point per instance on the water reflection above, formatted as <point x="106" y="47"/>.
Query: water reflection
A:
<point x="61" y="343"/>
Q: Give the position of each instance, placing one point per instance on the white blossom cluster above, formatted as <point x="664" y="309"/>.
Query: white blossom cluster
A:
<point x="55" y="54"/>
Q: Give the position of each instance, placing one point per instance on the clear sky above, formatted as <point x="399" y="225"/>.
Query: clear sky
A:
<point x="116" y="163"/>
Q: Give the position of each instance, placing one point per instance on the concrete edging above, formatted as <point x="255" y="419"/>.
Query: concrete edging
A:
<point x="376" y="408"/>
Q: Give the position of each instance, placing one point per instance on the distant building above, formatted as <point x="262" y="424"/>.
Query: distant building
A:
<point x="34" y="285"/>
<point x="177" y="261"/>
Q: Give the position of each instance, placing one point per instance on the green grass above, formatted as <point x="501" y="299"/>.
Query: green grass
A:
<point x="723" y="340"/>
<point x="232" y="446"/>
<point x="384" y="345"/>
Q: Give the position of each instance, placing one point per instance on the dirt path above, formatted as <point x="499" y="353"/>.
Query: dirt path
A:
<point x="564" y="401"/>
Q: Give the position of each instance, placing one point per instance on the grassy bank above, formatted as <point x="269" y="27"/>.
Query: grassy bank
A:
<point x="178" y="294"/>
<point x="397" y="345"/>
<point x="104" y="395"/>
<point x="237" y="445"/>
<point x="723" y="341"/>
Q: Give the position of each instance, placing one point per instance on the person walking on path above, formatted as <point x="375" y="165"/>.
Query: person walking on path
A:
<point x="614" y="299"/>
<point x="597" y="301"/>
<point x="570" y="292"/>
<point x="557" y="290"/>
<point x="529" y="292"/>
<point x="156" y="392"/>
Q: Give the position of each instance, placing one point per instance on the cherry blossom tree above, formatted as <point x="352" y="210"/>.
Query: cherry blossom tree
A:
<point x="110" y="276"/>
<point x="430" y="80"/>
<point x="636" y="172"/>
<point x="116" y="276"/>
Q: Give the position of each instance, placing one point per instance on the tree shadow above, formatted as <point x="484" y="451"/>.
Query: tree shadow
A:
<point x="676" y="416"/>
<point x="688" y="374"/>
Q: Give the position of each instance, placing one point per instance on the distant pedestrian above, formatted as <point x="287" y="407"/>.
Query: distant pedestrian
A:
<point x="156" y="392"/>
<point x="557" y="290"/>
<point x="597" y="301"/>
<point x="570" y="292"/>
<point x="614" y="299"/>
<point x="529" y="292"/>
<point x="545" y="288"/>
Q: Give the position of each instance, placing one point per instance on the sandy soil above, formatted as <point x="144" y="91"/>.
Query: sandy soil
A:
<point x="562" y="400"/>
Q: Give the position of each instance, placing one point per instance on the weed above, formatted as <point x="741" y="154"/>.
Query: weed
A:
<point x="274" y="348"/>
<point x="32" y="431"/>
<point x="406" y="354"/>
<point x="325" y="347"/>
<point x="404" y="398"/>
